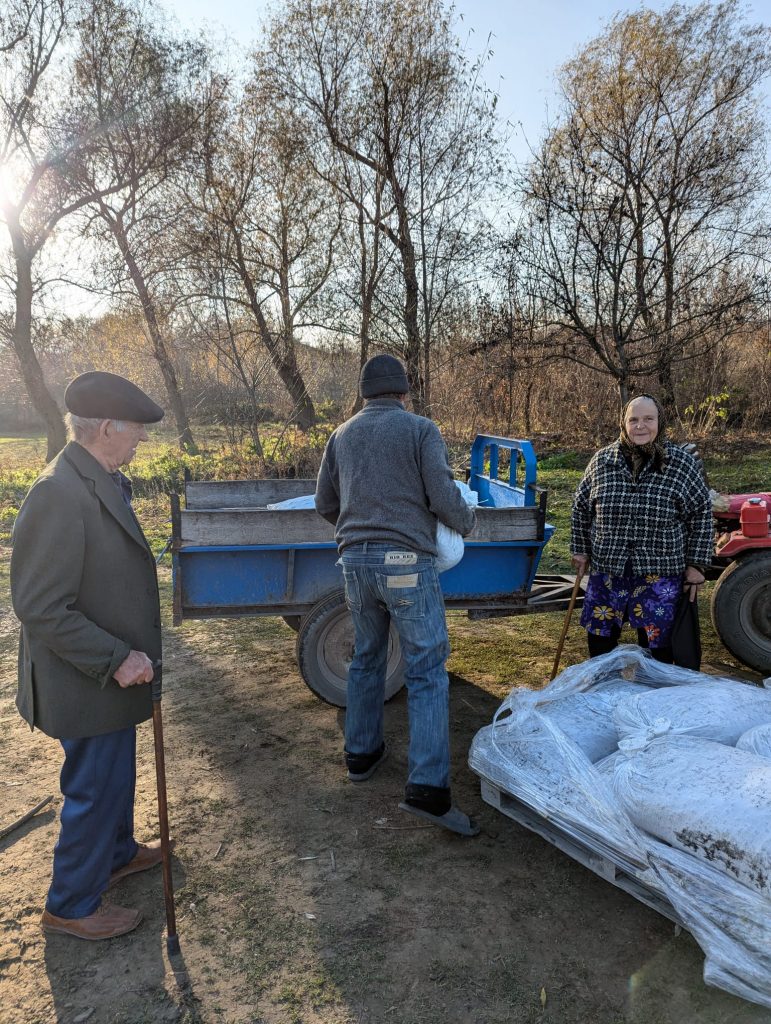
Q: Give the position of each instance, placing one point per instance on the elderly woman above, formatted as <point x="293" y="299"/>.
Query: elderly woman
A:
<point x="642" y="522"/>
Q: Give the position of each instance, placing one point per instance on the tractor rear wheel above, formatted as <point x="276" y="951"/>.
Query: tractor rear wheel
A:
<point x="741" y="610"/>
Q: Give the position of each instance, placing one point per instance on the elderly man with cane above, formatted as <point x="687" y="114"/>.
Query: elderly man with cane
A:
<point x="84" y="588"/>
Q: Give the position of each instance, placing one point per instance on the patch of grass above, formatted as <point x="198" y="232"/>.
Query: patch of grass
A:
<point x="561" y="460"/>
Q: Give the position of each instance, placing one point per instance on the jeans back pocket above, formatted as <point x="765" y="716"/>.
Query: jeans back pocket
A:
<point x="403" y="594"/>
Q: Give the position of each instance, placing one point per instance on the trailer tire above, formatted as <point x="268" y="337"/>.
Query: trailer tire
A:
<point x="325" y="649"/>
<point x="741" y="610"/>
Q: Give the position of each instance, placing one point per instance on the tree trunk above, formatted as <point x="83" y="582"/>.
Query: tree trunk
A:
<point x="160" y="351"/>
<point x="304" y="414"/>
<point x="31" y="371"/>
<point x="282" y="356"/>
<point x="529" y="407"/>
<point x="666" y="388"/>
<point x="664" y="374"/>
<point x="368" y="282"/>
<point x="409" y="270"/>
<point x="411" y="296"/>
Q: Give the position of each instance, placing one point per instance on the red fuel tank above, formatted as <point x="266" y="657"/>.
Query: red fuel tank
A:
<point x="754" y="518"/>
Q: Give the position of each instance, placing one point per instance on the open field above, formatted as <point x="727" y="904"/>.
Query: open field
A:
<point x="305" y="900"/>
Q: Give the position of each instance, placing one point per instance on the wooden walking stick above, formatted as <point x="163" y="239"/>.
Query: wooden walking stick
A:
<point x="172" y="941"/>
<point x="565" y="626"/>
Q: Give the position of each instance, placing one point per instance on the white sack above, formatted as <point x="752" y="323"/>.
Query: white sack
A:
<point x="587" y="718"/>
<point x="705" y="798"/>
<point x="719" y="709"/>
<point x="449" y="543"/>
<point x="527" y="754"/>
<point x="756" y="741"/>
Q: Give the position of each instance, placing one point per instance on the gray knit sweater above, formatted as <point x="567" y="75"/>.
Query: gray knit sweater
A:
<point x="385" y="477"/>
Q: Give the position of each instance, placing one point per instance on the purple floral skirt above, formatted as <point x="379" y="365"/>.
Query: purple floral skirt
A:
<point x="646" y="602"/>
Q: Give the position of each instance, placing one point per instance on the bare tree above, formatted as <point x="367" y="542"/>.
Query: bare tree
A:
<point x="391" y="89"/>
<point x="140" y="88"/>
<point x="266" y="218"/>
<point x="34" y="196"/>
<point x="229" y="333"/>
<point x="642" y="198"/>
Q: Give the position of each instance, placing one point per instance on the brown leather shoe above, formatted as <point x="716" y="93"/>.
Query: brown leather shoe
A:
<point x="105" y="923"/>
<point x="147" y="856"/>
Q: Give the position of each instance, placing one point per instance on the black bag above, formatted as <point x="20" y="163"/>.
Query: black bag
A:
<point x="686" y="635"/>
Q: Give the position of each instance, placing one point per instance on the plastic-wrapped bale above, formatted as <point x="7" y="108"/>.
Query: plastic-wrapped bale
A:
<point x="719" y="710"/>
<point x="541" y="746"/>
<point x="530" y="759"/>
<point x="756" y="741"/>
<point x="702" y="797"/>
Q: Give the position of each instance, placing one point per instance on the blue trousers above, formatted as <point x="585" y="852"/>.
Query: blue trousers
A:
<point x="97" y="820"/>
<point x="379" y="592"/>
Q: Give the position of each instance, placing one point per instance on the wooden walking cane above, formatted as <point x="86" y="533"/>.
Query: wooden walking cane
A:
<point x="172" y="941"/>
<point x="565" y="626"/>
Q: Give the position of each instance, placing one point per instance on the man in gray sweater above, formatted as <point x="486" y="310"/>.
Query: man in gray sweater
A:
<point x="385" y="482"/>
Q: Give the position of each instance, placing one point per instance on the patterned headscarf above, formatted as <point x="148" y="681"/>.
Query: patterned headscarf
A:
<point x="639" y="454"/>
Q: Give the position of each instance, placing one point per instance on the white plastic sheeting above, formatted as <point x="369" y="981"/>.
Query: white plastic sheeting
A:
<point x="528" y="753"/>
<point x="587" y="718"/>
<point x="757" y="741"/>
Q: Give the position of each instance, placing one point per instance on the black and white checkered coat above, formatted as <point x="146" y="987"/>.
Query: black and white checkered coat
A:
<point x="662" y="521"/>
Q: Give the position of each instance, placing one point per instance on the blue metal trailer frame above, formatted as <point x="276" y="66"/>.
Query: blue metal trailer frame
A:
<point x="290" y="578"/>
<point x="263" y="572"/>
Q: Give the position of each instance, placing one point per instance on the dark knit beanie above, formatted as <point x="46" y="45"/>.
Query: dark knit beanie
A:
<point x="383" y="375"/>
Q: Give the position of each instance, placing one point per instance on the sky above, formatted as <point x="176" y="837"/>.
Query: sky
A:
<point x="529" y="40"/>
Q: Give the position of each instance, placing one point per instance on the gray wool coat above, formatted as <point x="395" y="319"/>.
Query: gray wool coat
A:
<point x="84" y="587"/>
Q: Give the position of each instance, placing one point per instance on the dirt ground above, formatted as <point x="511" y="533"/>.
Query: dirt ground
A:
<point x="303" y="898"/>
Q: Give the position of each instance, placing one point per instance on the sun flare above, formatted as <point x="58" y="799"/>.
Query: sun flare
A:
<point x="9" y="184"/>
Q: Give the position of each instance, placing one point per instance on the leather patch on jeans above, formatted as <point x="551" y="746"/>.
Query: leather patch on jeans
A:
<point x="400" y="558"/>
<point x="403" y="581"/>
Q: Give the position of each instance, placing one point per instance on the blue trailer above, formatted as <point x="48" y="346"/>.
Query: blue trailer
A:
<point x="232" y="555"/>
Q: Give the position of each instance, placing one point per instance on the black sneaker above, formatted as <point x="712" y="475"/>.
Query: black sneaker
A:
<point x="362" y="766"/>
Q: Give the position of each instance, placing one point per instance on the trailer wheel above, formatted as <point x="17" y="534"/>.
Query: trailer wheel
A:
<point x="741" y="610"/>
<point x="325" y="650"/>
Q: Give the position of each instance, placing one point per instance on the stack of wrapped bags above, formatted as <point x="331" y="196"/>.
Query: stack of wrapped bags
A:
<point x="665" y="771"/>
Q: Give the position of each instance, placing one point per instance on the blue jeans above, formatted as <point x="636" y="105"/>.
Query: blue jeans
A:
<point x="385" y="584"/>
<point x="97" y="820"/>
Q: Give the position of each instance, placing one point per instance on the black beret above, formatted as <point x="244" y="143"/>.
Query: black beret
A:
<point x="106" y="396"/>
<point x="383" y="375"/>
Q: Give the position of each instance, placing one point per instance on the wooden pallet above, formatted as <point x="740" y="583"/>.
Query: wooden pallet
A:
<point x="594" y="855"/>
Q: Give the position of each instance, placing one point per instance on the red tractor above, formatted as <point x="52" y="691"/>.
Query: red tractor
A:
<point x="741" y="600"/>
